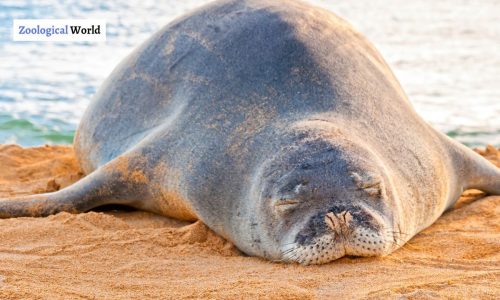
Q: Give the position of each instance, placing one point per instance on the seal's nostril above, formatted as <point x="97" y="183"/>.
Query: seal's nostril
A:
<point x="347" y="217"/>
<point x="329" y="220"/>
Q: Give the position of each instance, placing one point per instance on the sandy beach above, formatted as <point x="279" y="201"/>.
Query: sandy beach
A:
<point x="119" y="254"/>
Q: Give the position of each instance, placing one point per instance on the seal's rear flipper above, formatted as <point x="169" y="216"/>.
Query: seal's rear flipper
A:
<point x="107" y="185"/>
<point x="475" y="171"/>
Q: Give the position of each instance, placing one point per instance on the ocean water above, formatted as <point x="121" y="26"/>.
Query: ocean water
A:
<point x="445" y="53"/>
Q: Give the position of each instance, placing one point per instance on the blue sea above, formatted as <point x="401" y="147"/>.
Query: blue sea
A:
<point x="445" y="53"/>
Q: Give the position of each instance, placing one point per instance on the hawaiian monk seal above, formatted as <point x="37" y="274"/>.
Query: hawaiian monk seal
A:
<point x="276" y="124"/>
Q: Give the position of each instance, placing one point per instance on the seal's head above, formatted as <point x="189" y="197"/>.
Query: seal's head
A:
<point x="323" y="200"/>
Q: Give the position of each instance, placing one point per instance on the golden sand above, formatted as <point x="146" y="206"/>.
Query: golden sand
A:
<point x="138" y="255"/>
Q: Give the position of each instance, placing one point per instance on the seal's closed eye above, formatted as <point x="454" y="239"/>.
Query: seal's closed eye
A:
<point x="286" y="202"/>
<point x="286" y="205"/>
<point x="368" y="181"/>
<point x="291" y="199"/>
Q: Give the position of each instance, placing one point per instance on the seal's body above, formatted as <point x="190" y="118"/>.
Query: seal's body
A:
<point x="277" y="125"/>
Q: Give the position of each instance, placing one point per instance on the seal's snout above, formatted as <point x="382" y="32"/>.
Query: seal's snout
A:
<point x="338" y="232"/>
<point x="362" y="232"/>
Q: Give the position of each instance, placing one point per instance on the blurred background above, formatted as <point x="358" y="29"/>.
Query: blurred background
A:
<point x="445" y="53"/>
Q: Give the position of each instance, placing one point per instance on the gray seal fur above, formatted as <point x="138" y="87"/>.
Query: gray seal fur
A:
<point x="276" y="124"/>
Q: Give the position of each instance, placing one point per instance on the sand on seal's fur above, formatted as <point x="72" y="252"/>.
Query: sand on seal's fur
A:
<point x="124" y="255"/>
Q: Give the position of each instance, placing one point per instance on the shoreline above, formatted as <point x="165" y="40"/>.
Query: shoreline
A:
<point x="131" y="254"/>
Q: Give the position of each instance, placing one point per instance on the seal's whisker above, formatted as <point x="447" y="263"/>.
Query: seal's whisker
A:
<point x="296" y="255"/>
<point x="395" y="231"/>
<point x="399" y="242"/>
<point x="286" y="252"/>
<point x="290" y="253"/>
<point x="292" y="246"/>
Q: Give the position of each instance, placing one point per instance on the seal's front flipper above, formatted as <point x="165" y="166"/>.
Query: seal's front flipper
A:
<point x="475" y="171"/>
<point x="109" y="184"/>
